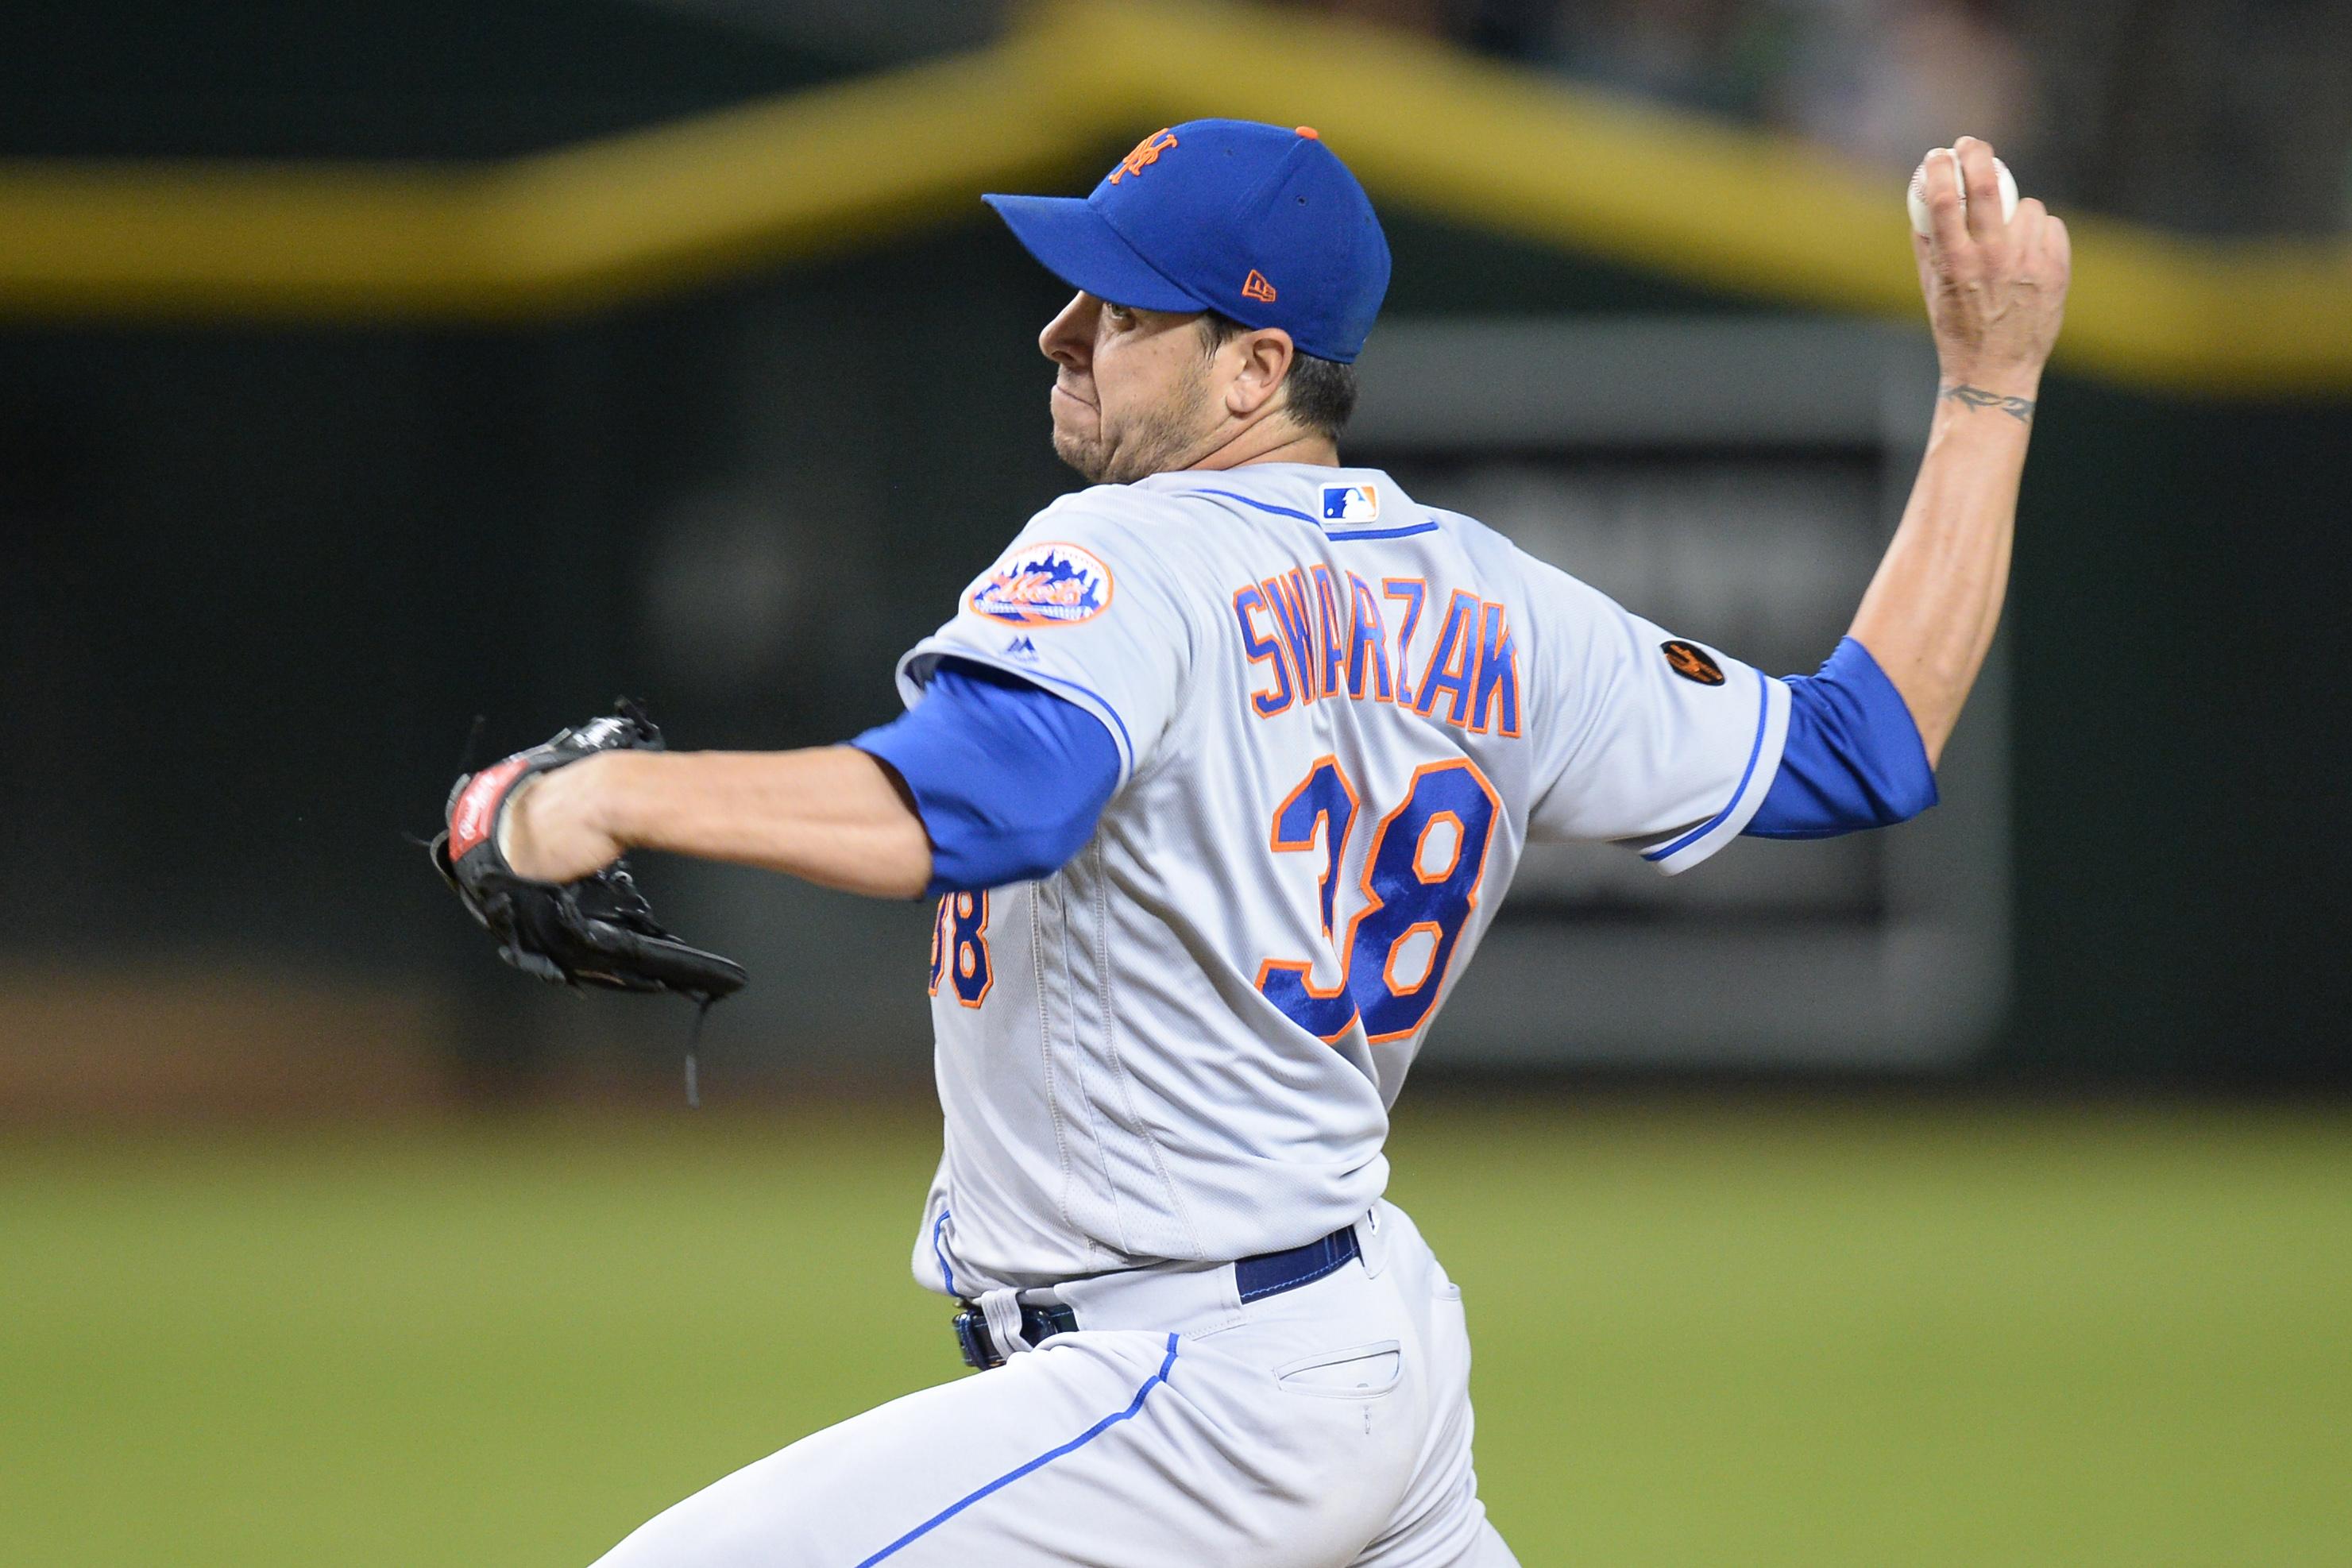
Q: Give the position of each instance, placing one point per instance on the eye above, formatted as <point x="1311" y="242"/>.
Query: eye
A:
<point x="1119" y="315"/>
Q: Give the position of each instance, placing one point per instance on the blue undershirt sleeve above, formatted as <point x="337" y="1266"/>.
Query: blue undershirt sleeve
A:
<point x="1853" y="758"/>
<point x="1008" y="778"/>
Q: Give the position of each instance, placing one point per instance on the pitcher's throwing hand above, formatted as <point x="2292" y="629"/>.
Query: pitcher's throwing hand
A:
<point x="1996" y="290"/>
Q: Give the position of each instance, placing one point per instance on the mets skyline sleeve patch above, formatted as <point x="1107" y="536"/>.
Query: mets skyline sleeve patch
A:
<point x="1080" y="607"/>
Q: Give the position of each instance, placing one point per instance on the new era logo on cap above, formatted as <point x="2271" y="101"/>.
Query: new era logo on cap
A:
<point x="1255" y="286"/>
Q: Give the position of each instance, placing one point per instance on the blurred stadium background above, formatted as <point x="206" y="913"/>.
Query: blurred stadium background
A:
<point x="1978" y="1194"/>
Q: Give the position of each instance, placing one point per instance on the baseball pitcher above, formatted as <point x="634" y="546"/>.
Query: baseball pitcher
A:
<point x="1218" y="776"/>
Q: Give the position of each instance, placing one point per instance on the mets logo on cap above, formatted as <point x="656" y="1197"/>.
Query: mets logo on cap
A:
<point x="1043" y="585"/>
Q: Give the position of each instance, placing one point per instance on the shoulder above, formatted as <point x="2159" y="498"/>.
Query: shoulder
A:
<point x="1566" y="625"/>
<point x="1548" y="589"/>
<point x="1090" y="555"/>
<point x="1112" y="512"/>
<point x="1139" y="526"/>
<point x="1154" y="537"/>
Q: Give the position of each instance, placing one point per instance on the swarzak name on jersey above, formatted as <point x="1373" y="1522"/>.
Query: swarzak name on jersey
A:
<point x="1320" y="636"/>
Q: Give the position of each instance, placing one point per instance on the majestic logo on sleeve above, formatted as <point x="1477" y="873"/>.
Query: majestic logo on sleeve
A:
<point x="1351" y="503"/>
<point x="1043" y="585"/>
<point x="1692" y="663"/>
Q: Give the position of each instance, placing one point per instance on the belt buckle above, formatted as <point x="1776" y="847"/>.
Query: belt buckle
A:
<point x="971" y="1338"/>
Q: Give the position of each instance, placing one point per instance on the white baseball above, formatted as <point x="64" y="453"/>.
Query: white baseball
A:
<point x="1917" y="197"/>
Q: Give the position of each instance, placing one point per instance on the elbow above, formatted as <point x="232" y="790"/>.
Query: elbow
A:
<point x="1934" y="728"/>
<point x="906" y="867"/>
<point x="1002" y="853"/>
<point x="1910" y="792"/>
<point x="1853" y="758"/>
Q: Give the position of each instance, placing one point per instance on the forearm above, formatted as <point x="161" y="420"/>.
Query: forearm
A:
<point x="988" y="781"/>
<point x="1930" y="612"/>
<point x="830" y="815"/>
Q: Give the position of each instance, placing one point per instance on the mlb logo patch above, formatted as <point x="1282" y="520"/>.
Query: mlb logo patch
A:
<point x="1351" y="503"/>
<point x="1043" y="585"/>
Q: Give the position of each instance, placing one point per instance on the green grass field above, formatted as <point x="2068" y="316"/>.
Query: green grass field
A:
<point x="1741" y="1333"/>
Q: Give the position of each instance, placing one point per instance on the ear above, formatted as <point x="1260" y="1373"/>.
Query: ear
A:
<point x="1259" y="358"/>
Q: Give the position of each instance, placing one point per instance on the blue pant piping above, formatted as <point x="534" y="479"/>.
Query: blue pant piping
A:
<point x="1040" y="1462"/>
<point x="946" y="1274"/>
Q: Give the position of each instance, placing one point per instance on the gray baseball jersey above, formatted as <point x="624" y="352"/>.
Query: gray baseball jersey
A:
<point x="1339" y="717"/>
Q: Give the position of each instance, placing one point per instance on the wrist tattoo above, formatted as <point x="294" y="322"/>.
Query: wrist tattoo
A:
<point x="2018" y="409"/>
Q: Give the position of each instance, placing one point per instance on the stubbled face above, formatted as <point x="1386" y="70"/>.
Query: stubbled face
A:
<point x="1131" y="394"/>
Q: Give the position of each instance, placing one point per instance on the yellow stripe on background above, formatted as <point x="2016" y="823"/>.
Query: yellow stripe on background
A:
<point x="596" y="223"/>
<point x="1428" y="128"/>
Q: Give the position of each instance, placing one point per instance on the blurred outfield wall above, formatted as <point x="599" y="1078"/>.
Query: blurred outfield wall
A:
<point x="261" y="574"/>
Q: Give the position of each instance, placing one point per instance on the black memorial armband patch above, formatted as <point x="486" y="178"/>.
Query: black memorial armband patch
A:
<point x="1692" y="662"/>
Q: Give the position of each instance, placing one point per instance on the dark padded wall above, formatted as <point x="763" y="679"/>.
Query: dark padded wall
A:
<point x="365" y="79"/>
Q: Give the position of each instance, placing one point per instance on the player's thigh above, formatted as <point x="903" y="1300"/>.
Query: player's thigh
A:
<point x="875" y="1488"/>
<point x="1441" y="1521"/>
<point x="1126" y="1450"/>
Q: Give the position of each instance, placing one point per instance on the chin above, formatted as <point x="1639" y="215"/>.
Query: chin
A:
<point x="1080" y="453"/>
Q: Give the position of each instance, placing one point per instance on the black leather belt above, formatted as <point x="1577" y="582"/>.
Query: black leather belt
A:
<point x="1267" y="1274"/>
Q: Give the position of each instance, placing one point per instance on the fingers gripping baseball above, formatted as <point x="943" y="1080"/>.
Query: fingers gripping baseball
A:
<point x="1995" y="287"/>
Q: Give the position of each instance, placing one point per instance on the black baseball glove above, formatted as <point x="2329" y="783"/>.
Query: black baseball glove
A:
<point x="598" y="931"/>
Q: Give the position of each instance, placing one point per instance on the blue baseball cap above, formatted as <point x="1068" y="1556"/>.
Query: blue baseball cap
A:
<point x="1258" y="223"/>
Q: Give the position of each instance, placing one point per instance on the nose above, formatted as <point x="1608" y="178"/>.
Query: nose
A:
<point x="1069" y="337"/>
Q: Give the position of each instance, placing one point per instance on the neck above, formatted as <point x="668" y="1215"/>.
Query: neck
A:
<point x="1270" y="441"/>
